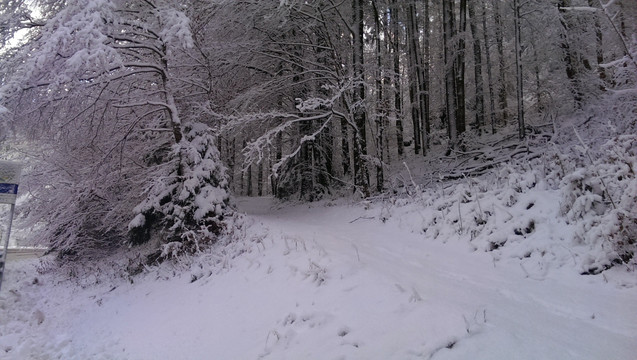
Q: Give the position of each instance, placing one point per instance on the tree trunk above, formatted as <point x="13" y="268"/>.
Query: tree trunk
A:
<point x="450" y="91"/>
<point x="323" y="151"/>
<point x="260" y="179"/>
<point x="425" y="83"/>
<point x="231" y="161"/>
<point x="599" y="50"/>
<point x="568" y="55"/>
<point x="518" y="69"/>
<point x="477" y="55"/>
<point x="326" y="156"/>
<point x="395" y="29"/>
<point x="361" y="174"/>
<point x="277" y="157"/>
<point x="380" y="110"/>
<point x="622" y="20"/>
<point x="345" y="158"/>
<point x="243" y="173"/>
<point x="536" y="71"/>
<point x="499" y="38"/>
<point x="249" y="191"/>
<point x="173" y="115"/>
<point x="460" y="70"/>
<point x="487" y="54"/>
<point x="414" y="72"/>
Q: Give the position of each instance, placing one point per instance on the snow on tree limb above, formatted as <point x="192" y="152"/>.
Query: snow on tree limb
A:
<point x="97" y="93"/>
<point x="579" y="8"/>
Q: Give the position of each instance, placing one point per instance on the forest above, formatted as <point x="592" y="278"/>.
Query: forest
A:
<point x="318" y="179"/>
<point x="139" y="119"/>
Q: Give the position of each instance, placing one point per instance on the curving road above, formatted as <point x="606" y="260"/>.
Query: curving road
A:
<point x="24" y="253"/>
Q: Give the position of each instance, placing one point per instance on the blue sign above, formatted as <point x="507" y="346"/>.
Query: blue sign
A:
<point x="9" y="179"/>
<point x="8" y="188"/>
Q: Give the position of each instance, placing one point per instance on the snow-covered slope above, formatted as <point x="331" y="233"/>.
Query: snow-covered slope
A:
<point x="341" y="281"/>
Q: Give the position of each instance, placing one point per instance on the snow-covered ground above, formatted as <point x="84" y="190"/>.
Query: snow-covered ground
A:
<point x="339" y="280"/>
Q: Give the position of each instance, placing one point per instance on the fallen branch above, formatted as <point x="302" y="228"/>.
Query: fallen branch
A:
<point x="362" y="217"/>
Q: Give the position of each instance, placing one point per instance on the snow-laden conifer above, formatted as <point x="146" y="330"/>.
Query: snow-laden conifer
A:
<point x="186" y="204"/>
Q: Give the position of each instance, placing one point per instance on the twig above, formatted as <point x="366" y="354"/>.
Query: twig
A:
<point x="460" y="216"/>
<point x="358" y="256"/>
<point x="362" y="217"/>
<point x="411" y="177"/>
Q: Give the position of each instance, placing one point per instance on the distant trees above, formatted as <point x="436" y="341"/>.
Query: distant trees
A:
<point x="395" y="73"/>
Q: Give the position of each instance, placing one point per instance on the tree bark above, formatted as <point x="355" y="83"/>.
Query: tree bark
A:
<point x="568" y="55"/>
<point x="518" y="69"/>
<point x="260" y="179"/>
<point x="487" y="54"/>
<point x="395" y="29"/>
<point x="460" y="70"/>
<point x="499" y="38"/>
<point x="171" y="107"/>
<point x="345" y="158"/>
<point x="380" y="110"/>
<point x="536" y="70"/>
<point x="232" y="151"/>
<point x="477" y="69"/>
<point x="426" y="83"/>
<point x="599" y="49"/>
<point x="361" y="174"/>
<point x="450" y="90"/>
<point x="243" y="173"/>
<point x="415" y="76"/>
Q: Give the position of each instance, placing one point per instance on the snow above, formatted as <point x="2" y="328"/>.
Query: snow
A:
<point x="138" y="221"/>
<point x="176" y="27"/>
<point x="340" y="280"/>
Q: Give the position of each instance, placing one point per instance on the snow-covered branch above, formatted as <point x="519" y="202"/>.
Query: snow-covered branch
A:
<point x="579" y="8"/>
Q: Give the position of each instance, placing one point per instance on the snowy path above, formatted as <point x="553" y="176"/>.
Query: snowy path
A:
<point x="414" y="298"/>
<point x="329" y="283"/>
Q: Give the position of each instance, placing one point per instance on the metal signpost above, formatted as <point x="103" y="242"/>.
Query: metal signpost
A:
<point x="9" y="179"/>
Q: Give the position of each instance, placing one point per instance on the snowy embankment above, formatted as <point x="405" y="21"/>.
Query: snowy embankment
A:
<point x="421" y="278"/>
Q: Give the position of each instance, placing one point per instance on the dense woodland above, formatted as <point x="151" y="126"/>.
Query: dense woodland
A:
<point x="141" y="117"/>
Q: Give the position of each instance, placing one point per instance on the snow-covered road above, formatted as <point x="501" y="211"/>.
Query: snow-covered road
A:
<point x="326" y="282"/>
<point x="411" y="297"/>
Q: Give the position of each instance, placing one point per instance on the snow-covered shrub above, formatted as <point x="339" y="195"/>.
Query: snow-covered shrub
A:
<point x="76" y="203"/>
<point x="187" y="205"/>
<point x="75" y="220"/>
<point x="515" y="183"/>
<point x="555" y="166"/>
<point x="601" y="200"/>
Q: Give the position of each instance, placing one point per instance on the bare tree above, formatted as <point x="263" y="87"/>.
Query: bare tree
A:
<point x="499" y="38"/>
<point x="396" y="51"/>
<point x="487" y="55"/>
<point x="477" y="67"/>
<point x="361" y="173"/>
<point x="450" y="73"/>
<point x="518" y="69"/>
<point x="416" y="75"/>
